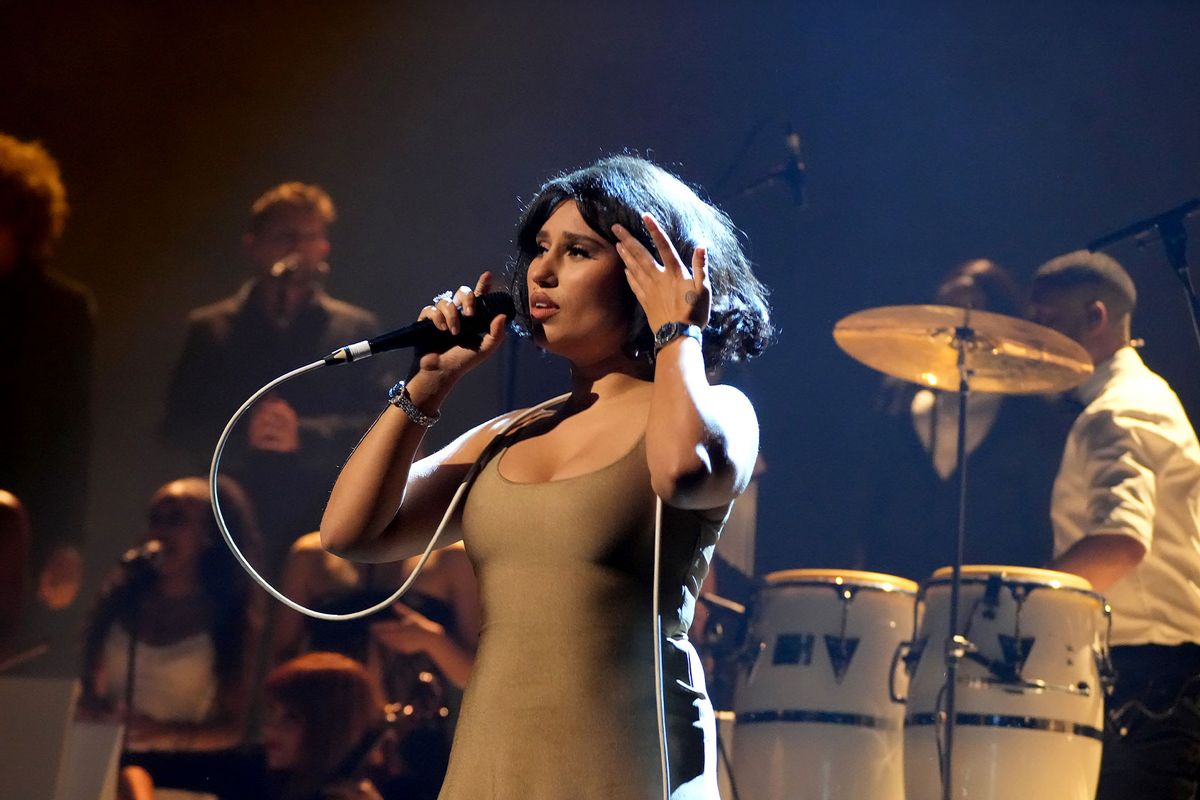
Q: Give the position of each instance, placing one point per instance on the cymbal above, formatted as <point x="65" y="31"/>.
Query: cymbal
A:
<point x="1005" y="354"/>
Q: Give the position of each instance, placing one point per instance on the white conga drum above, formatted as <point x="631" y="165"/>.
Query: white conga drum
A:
<point x="1029" y="702"/>
<point x="814" y="708"/>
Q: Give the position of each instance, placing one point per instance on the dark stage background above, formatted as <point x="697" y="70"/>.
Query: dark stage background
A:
<point x="932" y="132"/>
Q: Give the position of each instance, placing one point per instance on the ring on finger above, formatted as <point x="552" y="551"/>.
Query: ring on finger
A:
<point x="445" y="296"/>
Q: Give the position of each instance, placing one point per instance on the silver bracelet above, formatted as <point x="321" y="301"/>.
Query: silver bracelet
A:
<point x="399" y="397"/>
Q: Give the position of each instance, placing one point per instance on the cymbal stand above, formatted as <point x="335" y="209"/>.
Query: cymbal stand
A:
<point x="957" y="645"/>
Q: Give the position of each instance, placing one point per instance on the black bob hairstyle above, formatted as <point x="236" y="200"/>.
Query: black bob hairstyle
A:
<point x="618" y="189"/>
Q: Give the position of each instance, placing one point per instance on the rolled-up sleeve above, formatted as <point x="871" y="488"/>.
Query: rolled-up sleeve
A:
<point x="1122" y="451"/>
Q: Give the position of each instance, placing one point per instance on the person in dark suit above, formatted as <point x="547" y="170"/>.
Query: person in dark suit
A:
<point x="287" y="448"/>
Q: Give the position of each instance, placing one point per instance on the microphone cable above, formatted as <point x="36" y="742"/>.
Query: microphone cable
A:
<point x="214" y="474"/>
<point x="660" y="703"/>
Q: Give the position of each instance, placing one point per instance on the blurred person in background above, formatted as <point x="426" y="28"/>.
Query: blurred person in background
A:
<point x="1126" y="512"/>
<point x="288" y="446"/>
<point x="420" y="650"/>
<point x="14" y="565"/>
<point x="47" y="335"/>
<point x="182" y="608"/>
<point x="904" y="511"/>
<point x="324" y="717"/>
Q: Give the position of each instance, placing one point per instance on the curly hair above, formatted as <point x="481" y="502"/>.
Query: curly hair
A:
<point x="617" y="190"/>
<point x="33" y="200"/>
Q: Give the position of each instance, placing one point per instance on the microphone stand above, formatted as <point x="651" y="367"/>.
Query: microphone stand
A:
<point x="788" y="172"/>
<point x="1174" y="236"/>
<point x="957" y="646"/>
<point x="131" y="665"/>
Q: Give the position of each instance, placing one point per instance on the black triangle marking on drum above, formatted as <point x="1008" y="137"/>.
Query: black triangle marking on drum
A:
<point x="1015" y="650"/>
<point x="841" y="653"/>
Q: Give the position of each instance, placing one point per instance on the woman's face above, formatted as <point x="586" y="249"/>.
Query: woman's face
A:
<point x="283" y="735"/>
<point x="579" y="298"/>
<point x="179" y="520"/>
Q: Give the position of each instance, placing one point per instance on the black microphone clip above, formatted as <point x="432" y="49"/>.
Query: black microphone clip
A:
<point x="795" y="173"/>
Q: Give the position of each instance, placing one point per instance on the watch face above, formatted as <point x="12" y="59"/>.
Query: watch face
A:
<point x="672" y="331"/>
<point x="668" y="332"/>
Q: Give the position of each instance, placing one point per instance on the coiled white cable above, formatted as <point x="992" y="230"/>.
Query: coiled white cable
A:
<point x="214" y="473"/>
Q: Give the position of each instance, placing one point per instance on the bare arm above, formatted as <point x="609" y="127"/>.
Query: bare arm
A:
<point x="383" y="507"/>
<point x="306" y="576"/>
<point x="1122" y="451"/>
<point x="701" y="440"/>
<point x="413" y="632"/>
<point x="450" y="577"/>
<point x="1102" y="559"/>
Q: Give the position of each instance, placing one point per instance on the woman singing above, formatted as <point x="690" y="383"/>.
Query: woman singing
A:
<point x="643" y="287"/>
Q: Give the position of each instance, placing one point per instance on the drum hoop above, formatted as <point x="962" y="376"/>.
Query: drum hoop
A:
<point x="869" y="587"/>
<point x="1009" y="721"/>
<point x="1015" y="574"/>
<point x="1033" y="584"/>
<point x="852" y="579"/>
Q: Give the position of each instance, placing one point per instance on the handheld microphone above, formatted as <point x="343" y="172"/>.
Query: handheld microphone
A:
<point x="292" y="263"/>
<point x="426" y="336"/>
<point x="285" y="266"/>
<point x="146" y="553"/>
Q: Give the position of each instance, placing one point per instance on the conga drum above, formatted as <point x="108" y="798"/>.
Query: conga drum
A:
<point x="814" y="705"/>
<point x="1029" y="704"/>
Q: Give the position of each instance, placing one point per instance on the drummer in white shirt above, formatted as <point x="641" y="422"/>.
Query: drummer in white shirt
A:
<point x="1126" y="514"/>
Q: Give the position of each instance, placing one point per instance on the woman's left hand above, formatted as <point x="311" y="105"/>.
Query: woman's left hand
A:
<point x="668" y="292"/>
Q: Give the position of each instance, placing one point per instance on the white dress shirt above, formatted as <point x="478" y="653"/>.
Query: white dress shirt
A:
<point x="1131" y="467"/>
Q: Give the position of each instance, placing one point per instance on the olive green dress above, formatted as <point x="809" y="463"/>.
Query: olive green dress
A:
<point x="561" y="699"/>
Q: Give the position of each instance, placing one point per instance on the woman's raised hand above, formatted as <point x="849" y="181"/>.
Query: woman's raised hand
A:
<point x="447" y="312"/>
<point x="668" y="292"/>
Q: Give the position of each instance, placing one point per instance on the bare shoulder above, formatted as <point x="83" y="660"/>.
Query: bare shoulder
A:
<point x="311" y="564"/>
<point x="470" y="445"/>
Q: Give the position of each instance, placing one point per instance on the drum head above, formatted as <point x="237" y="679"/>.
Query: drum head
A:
<point x="851" y="577"/>
<point x="1043" y="577"/>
